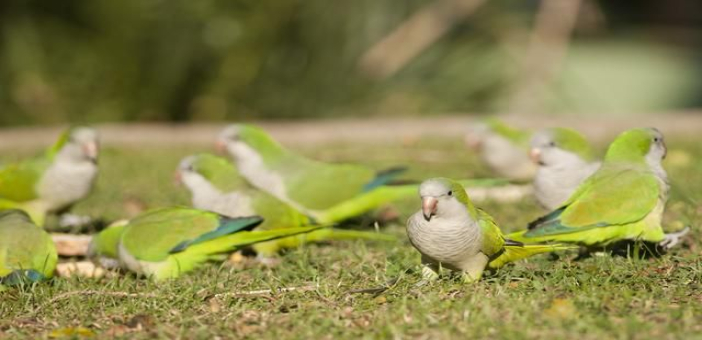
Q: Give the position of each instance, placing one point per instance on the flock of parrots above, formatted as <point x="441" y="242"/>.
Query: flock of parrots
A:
<point x="270" y="198"/>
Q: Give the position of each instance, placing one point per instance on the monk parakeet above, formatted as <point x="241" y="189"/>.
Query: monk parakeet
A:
<point x="216" y="186"/>
<point x="27" y="252"/>
<point x="564" y="159"/>
<point x="306" y="184"/>
<point x="104" y="246"/>
<point x="450" y="232"/>
<point x="623" y="200"/>
<point x="53" y="182"/>
<point x="167" y="242"/>
<point x="503" y="148"/>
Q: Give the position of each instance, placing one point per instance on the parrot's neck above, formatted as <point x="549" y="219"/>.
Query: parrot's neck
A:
<point x="65" y="183"/>
<point x="251" y="165"/>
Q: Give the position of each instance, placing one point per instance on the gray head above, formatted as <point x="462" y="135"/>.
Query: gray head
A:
<point x="443" y="197"/>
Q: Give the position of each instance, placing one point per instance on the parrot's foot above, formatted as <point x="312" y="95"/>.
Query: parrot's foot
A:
<point x="672" y="239"/>
<point x="269" y="261"/>
<point x="469" y="278"/>
<point x="69" y="221"/>
<point x="429" y="274"/>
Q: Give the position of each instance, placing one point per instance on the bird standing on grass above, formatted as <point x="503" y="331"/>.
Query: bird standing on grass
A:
<point x="623" y="200"/>
<point x="450" y="232"/>
<point x="27" y="252"/>
<point x="54" y="182"/>
<point x="564" y="159"/>
<point x="216" y="186"/>
<point x="167" y="242"/>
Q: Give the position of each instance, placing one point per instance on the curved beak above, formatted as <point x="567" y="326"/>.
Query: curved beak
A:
<point x="429" y="207"/>
<point x="535" y="155"/>
<point x="91" y="150"/>
<point x="220" y="146"/>
<point x="473" y="142"/>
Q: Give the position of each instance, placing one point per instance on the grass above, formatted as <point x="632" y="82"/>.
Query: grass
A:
<point x="544" y="297"/>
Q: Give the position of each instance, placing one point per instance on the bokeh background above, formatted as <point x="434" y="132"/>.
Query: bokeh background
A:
<point x="90" y="61"/>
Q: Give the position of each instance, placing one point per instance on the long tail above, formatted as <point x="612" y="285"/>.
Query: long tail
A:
<point x="271" y="248"/>
<point x="518" y="252"/>
<point x="195" y="254"/>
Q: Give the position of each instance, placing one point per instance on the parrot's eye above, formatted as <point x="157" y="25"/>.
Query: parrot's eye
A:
<point x="552" y="144"/>
<point x="656" y="139"/>
<point x="234" y="138"/>
<point x="450" y="193"/>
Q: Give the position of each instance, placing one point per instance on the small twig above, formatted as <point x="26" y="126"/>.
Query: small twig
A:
<point x="267" y="291"/>
<point x="66" y="295"/>
<point x="377" y="290"/>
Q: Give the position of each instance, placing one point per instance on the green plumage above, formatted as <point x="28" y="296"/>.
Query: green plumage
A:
<point x="624" y="199"/>
<point x="573" y="141"/>
<point x="314" y="185"/>
<point x="26" y="250"/>
<point x="277" y="214"/>
<point x="167" y="242"/>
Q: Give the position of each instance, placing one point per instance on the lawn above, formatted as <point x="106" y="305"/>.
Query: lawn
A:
<point x="544" y="297"/>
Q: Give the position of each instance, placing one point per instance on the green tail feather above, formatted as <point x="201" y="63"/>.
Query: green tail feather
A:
<point x="271" y="248"/>
<point x="516" y="253"/>
<point x="242" y="239"/>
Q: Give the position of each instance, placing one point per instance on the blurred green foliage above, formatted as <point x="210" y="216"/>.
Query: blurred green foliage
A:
<point x="102" y="60"/>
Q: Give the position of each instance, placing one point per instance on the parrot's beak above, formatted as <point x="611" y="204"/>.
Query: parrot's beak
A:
<point x="473" y="142"/>
<point x="535" y="155"/>
<point x="91" y="151"/>
<point x="429" y="207"/>
<point x="178" y="177"/>
<point x="221" y="146"/>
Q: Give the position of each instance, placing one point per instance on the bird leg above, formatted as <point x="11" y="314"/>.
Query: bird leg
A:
<point x="473" y="268"/>
<point x="430" y="271"/>
<point x="672" y="239"/>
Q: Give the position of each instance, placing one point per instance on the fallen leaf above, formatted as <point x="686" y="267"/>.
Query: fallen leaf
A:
<point x="561" y="308"/>
<point x="72" y="332"/>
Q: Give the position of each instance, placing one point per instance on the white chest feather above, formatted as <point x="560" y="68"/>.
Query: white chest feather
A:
<point x="447" y="241"/>
<point x="65" y="183"/>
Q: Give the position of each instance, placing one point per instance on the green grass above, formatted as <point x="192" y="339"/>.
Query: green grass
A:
<point x="544" y="297"/>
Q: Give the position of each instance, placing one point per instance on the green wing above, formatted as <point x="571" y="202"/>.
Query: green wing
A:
<point x="106" y="243"/>
<point x="152" y="236"/>
<point x="25" y="248"/>
<point x="276" y="213"/>
<point x="493" y="241"/>
<point x="317" y="185"/>
<point x="18" y="181"/>
<point x="613" y="196"/>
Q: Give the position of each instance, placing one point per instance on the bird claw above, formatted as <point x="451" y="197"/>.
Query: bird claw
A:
<point x="672" y="239"/>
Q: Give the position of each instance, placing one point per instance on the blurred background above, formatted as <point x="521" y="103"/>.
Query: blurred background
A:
<point x="90" y="61"/>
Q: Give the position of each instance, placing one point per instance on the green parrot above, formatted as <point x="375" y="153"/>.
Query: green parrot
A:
<point x="564" y="159"/>
<point x="27" y="252"/>
<point x="215" y="185"/>
<point x="327" y="192"/>
<point x="104" y="246"/>
<point x="450" y="232"/>
<point x="167" y="242"/>
<point x="623" y="200"/>
<point x="503" y="148"/>
<point x="55" y="181"/>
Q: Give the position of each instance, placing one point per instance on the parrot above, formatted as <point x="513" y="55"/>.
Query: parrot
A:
<point x="623" y="200"/>
<point x="104" y="246"/>
<point x="339" y="190"/>
<point x="215" y="185"/>
<point x="503" y="148"/>
<point x="27" y="252"/>
<point x="53" y="182"/>
<point x="167" y="242"/>
<point x="450" y="232"/>
<point x="564" y="159"/>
